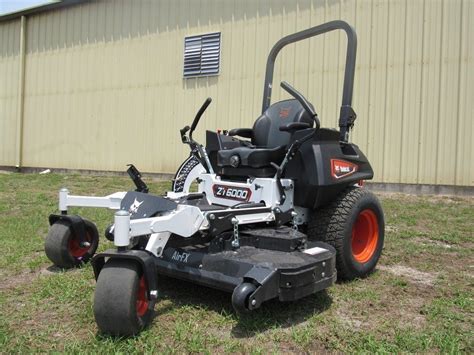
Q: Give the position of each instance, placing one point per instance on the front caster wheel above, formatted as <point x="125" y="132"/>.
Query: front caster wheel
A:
<point x="63" y="247"/>
<point x="241" y="297"/>
<point x="354" y="225"/>
<point x="122" y="306"/>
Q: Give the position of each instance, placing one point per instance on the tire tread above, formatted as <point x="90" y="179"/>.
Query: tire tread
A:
<point x="329" y="223"/>
<point x="115" y="299"/>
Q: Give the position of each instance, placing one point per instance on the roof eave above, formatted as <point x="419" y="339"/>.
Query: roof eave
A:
<point x="38" y="9"/>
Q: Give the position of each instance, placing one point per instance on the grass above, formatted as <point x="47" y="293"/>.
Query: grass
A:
<point x="418" y="300"/>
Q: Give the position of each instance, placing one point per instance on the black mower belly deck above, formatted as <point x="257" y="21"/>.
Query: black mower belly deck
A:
<point x="286" y="275"/>
<point x="278" y="262"/>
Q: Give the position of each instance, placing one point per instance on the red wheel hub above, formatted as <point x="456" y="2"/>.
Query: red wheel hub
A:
<point x="142" y="300"/>
<point x="365" y="236"/>
<point x="75" y="247"/>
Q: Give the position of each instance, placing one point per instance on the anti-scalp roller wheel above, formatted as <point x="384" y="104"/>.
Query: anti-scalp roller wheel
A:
<point x="241" y="300"/>
<point x="64" y="248"/>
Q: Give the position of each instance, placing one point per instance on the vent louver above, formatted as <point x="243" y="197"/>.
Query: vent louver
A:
<point x="202" y="55"/>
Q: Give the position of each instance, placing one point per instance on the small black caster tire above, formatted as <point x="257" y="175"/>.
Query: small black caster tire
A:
<point x="122" y="306"/>
<point x="62" y="246"/>
<point x="241" y="297"/>
<point x="354" y="225"/>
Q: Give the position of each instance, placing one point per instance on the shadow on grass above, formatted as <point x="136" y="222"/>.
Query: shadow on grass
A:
<point x="54" y="269"/>
<point x="58" y="270"/>
<point x="272" y="314"/>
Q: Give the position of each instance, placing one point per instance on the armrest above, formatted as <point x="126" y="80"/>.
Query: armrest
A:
<point x="294" y="126"/>
<point x="242" y="132"/>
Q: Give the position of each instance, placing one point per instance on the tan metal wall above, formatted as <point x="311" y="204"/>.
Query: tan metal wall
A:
<point x="104" y="86"/>
<point x="9" y="80"/>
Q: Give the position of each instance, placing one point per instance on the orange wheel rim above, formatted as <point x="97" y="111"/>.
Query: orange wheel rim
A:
<point x="365" y="236"/>
<point x="142" y="300"/>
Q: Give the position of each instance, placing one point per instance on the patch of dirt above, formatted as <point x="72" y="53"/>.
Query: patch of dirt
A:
<point x="405" y="310"/>
<point x="426" y="241"/>
<point x="391" y="228"/>
<point x="349" y="319"/>
<point x="400" y="306"/>
<point x="9" y="282"/>
<point x="411" y="311"/>
<point x="413" y="275"/>
<point x="13" y="281"/>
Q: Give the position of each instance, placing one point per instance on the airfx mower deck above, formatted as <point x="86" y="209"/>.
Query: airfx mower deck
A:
<point x="279" y="208"/>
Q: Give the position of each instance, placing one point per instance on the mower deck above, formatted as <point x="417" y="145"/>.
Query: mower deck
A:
<point x="286" y="275"/>
<point x="279" y="262"/>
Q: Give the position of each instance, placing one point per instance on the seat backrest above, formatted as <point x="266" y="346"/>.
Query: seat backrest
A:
<point x="266" y="130"/>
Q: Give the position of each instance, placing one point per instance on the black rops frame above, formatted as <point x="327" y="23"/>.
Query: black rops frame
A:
<point x="347" y="115"/>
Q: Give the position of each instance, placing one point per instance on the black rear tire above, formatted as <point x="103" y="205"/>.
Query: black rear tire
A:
<point x="122" y="306"/>
<point x="354" y="225"/>
<point x="62" y="245"/>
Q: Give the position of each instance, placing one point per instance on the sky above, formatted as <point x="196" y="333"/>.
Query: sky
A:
<point x="7" y="6"/>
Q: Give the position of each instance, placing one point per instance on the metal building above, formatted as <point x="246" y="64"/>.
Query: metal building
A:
<point x="98" y="84"/>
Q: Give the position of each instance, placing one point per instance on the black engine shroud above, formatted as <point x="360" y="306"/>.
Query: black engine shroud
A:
<point x="315" y="168"/>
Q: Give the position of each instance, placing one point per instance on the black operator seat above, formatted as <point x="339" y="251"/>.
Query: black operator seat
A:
<point x="270" y="137"/>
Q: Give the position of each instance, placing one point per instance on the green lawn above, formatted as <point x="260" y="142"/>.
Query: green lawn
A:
<point x="418" y="300"/>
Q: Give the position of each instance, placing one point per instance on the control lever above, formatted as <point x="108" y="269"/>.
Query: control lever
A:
<point x="302" y="100"/>
<point x="197" y="149"/>
<point x="183" y="132"/>
<point x="136" y="176"/>
<point x="199" y="114"/>
<point x="281" y="190"/>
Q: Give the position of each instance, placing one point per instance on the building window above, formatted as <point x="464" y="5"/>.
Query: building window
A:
<point x="202" y="55"/>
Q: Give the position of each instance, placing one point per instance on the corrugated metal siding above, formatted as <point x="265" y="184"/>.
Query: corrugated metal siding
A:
<point x="104" y="82"/>
<point x="9" y="79"/>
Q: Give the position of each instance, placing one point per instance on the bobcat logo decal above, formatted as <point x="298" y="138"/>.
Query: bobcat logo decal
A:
<point x="285" y="112"/>
<point x="134" y="207"/>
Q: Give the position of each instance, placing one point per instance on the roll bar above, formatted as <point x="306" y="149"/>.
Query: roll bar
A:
<point x="347" y="115"/>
